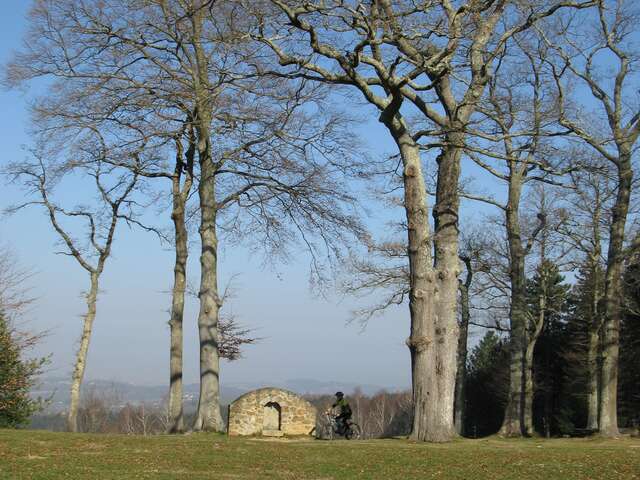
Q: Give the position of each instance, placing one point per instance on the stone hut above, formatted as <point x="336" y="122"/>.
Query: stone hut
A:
<point x="271" y="412"/>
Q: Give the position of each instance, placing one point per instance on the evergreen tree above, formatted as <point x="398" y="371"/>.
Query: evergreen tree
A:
<point x="629" y="370"/>
<point x="17" y="376"/>
<point x="584" y="314"/>
<point x="486" y="386"/>
<point x="553" y="410"/>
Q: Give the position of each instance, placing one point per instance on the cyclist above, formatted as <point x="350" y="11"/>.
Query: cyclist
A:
<point x="344" y="415"/>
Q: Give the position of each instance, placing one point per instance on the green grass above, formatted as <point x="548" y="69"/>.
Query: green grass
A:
<point x="28" y="454"/>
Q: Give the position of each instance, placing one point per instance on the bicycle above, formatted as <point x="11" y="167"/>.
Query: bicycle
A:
<point x="350" y="431"/>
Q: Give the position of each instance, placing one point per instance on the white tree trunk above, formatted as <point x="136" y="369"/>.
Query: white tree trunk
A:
<point x="81" y="355"/>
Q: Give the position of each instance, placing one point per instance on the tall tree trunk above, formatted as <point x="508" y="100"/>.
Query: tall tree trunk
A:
<point x="595" y="326"/>
<point x="447" y="268"/>
<point x="422" y="291"/>
<point x="176" y="420"/>
<point x="433" y="283"/>
<point x="594" y="378"/>
<point x="81" y="355"/>
<point x="180" y="195"/>
<point x="593" y="381"/>
<point x="465" y="317"/>
<point x="512" y="424"/>
<point x="612" y="301"/>
<point x="532" y="339"/>
<point x="208" y="416"/>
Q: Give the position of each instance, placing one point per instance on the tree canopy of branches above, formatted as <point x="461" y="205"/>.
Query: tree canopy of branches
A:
<point x="434" y="60"/>
<point x="170" y="79"/>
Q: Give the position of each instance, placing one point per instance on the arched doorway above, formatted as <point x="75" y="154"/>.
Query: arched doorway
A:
<point x="272" y="417"/>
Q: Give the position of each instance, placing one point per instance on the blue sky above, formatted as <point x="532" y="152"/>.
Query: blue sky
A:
<point x="305" y="336"/>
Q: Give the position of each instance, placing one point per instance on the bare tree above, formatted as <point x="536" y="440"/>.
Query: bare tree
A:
<point x="93" y="248"/>
<point x="265" y="159"/>
<point x="470" y="254"/>
<point x="604" y="65"/>
<point x="435" y="58"/>
<point x="513" y="143"/>
<point x="586" y="230"/>
<point x="15" y="295"/>
<point x="551" y="250"/>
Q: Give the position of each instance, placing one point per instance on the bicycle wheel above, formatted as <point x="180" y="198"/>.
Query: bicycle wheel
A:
<point x="353" y="432"/>
<point x="326" y="431"/>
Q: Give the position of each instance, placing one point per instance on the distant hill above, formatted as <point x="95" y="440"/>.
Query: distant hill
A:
<point x="120" y="393"/>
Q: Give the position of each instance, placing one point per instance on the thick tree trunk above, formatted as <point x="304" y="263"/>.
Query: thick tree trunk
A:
<point x="447" y="268"/>
<point x="465" y="316"/>
<point x="433" y="283"/>
<point x="176" y="420"/>
<point x="422" y="289"/>
<point x="512" y="423"/>
<point x="208" y="416"/>
<point x="81" y="355"/>
<point x="612" y="301"/>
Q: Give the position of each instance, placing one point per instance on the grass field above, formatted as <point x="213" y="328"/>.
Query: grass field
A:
<point x="45" y="455"/>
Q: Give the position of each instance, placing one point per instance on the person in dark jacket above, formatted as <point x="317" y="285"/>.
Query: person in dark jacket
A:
<point x="344" y="412"/>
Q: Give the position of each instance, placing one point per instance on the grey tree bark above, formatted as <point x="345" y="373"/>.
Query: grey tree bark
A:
<point x="612" y="299"/>
<point x="208" y="417"/>
<point x="180" y="194"/>
<point x="514" y="412"/>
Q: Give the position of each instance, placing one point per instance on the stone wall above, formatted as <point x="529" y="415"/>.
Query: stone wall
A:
<point x="271" y="411"/>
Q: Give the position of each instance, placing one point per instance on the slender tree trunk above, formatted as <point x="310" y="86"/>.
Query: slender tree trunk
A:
<point x="176" y="420"/>
<point x="612" y="301"/>
<point x="527" y="405"/>
<point x="595" y="324"/>
<point x="532" y="339"/>
<point x="81" y="355"/>
<point x="180" y="195"/>
<point x="208" y="415"/>
<point x="548" y="409"/>
<point x="595" y="338"/>
<point x="465" y="316"/>
<point x="593" y="385"/>
<point x="512" y="425"/>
